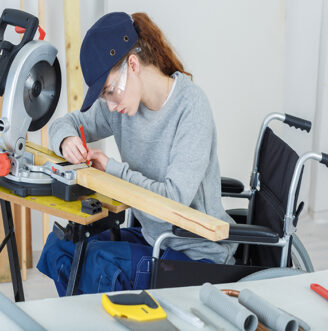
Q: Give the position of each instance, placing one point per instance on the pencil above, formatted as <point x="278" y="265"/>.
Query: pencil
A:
<point x="83" y="140"/>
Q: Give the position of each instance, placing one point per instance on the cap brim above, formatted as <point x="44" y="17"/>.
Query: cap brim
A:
<point x="94" y="92"/>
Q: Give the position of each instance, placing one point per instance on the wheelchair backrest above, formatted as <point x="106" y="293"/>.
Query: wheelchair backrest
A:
<point x="276" y="166"/>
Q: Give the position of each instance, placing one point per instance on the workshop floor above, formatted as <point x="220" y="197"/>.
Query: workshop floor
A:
<point x="313" y="235"/>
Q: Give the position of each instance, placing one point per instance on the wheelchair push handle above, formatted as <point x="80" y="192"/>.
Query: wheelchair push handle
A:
<point x="297" y="122"/>
<point x="324" y="159"/>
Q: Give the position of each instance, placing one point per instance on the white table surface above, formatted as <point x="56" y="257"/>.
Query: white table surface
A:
<point x="85" y="312"/>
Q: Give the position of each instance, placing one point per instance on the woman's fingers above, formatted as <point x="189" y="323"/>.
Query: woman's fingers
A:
<point x="70" y="157"/>
<point x="77" y="142"/>
<point x="82" y="150"/>
<point x="92" y="154"/>
<point x="77" y="154"/>
<point x="73" y="150"/>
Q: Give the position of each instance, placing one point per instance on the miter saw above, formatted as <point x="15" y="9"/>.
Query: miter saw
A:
<point x="30" y="82"/>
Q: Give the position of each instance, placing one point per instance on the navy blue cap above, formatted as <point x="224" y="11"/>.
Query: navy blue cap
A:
<point x="104" y="45"/>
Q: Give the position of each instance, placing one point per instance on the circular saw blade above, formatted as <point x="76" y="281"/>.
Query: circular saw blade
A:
<point x="41" y="92"/>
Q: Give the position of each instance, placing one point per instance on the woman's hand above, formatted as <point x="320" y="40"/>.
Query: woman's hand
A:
<point x="73" y="150"/>
<point x="98" y="158"/>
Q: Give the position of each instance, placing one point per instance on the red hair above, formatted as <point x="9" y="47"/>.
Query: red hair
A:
<point x="155" y="49"/>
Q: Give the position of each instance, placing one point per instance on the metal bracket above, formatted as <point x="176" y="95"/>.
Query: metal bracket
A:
<point x="289" y="227"/>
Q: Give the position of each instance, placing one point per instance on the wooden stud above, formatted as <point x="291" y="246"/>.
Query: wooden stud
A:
<point x="154" y="204"/>
<point x="23" y="246"/>
<point x="74" y="78"/>
<point x="17" y="218"/>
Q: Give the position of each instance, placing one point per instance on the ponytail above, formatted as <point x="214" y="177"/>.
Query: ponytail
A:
<point x="155" y="49"/>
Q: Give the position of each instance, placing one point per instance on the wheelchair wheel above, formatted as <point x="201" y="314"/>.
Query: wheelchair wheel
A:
<point x="300" y="257"/>
<point x="272" y="273"/>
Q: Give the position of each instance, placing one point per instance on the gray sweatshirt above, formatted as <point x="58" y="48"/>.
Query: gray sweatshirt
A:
<point x="172" y="152"/>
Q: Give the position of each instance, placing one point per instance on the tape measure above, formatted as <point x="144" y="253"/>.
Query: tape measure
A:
<point x="137" y="311"/>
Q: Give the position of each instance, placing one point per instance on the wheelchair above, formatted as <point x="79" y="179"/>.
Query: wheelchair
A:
<point x="265" y="231"/>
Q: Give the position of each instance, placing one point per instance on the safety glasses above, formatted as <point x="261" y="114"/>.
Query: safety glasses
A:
<point x="114" y="93"/>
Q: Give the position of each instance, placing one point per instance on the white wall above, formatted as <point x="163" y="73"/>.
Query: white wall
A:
<point x="318" y="191"/>
<point x="303" y="25"/>
<point x="250" y="57"/>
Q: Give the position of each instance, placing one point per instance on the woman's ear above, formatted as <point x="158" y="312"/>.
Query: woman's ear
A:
<point x="134" y="63"/>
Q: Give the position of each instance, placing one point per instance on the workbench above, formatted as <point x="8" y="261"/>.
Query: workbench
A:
<point x="111" y="217"/>
<point x="85" y="312"/>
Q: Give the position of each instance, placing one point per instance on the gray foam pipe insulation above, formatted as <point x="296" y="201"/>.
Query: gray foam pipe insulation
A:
<point x="228" y="308"/>
<point x="267" y="313"/>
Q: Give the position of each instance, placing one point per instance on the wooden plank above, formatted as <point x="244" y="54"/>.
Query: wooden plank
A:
<point x="29" y="256"/>
<point x="17" y="218"/>
<point x="23" y="246"/>
<point x="17" y="211"/>
<point x="44" y="150"/>
<point x="74" y="77"/>
<point x="154" y="204"/>
<point x="40" y="158"/>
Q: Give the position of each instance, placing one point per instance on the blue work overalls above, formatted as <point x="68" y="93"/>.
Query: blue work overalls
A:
<point x="108" y="265"/>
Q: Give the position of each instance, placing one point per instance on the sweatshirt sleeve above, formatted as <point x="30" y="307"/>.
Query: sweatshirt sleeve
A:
<point x="189" y="156"/>
<point x="95" y="121"/>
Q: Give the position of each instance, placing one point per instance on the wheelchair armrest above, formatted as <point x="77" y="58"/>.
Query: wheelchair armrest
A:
<point x="252" y="233"/>
<point x="239" y="233"/>
<point x="238" y="214"/>
<point x="231" y="185"/>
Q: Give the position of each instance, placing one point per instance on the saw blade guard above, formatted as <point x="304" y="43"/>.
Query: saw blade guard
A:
<point x="31" y="94"/>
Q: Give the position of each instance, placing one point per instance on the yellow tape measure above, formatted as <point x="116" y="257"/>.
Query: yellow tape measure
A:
<point x="140" y="307"/>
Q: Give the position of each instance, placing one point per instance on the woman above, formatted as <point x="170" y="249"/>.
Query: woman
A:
<point x="164" y="129"/>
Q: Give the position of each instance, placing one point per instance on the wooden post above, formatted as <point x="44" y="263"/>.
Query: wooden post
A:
<point x="23" y="256"/>
<point x="22" y="215"/>
<point x="74" y="78"/>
